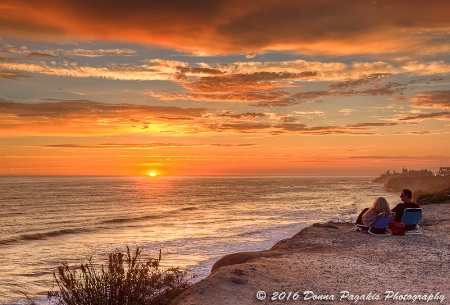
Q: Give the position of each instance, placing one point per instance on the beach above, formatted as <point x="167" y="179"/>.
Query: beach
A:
<point x="329" y="264"/>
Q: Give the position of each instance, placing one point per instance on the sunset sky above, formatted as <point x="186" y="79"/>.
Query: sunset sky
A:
<point x="184" y="87"/>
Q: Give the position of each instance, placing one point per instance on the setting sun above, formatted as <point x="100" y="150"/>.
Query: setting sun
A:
<point x="152" y="174"/>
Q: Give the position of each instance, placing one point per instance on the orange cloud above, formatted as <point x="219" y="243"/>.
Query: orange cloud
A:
<point x="437" y="116"/>
<point x="234" y="26"/>
<point x="83" y="52"/>
<point x="365" y="79"/>
<point x="265" y="88"/>
<point x="368" y="125"/>
<point x="85" y="117"/>
<point x="135" y="146"/>
<point x="11" y="75"/>
<point x="115" y="72"/>
<point x="432" y="99"/>
<point x="240" y="116"/>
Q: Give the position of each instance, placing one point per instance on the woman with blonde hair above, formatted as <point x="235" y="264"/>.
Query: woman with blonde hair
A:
<point x="368" y="215"/>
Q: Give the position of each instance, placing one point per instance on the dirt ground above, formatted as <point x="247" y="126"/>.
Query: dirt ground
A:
<point x="329" y="264"/>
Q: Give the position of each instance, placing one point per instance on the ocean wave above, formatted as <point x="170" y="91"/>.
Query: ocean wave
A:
<point x="250" y="233"/>
<point x="189" y="209"/>
<point x="56" y="233"/>
<point x="43" y="236"/>
<point x="349" y="211"/>
<point x="131" y="219"/>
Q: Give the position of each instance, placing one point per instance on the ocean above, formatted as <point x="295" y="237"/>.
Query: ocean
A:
<point x="193" y="220"/>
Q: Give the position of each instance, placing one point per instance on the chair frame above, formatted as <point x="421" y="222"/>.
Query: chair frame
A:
<point x="375" y="225"/>
<point x="407" y="211"/>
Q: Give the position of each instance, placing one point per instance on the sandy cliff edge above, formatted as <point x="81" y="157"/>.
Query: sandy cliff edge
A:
<point x="328" y="264"/>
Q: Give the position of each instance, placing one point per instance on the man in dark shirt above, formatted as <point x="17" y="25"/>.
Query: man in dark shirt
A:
<point x="406" y="197"/>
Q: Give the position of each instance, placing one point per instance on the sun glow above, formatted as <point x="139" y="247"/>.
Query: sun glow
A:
<point x="152" y="174"/>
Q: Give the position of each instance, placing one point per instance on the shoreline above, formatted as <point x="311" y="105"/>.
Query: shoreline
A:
<point x="323" y="260"/>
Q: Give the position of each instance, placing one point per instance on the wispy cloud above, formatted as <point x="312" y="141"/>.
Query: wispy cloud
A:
<point x="426" y="101"/>
<point x="369" y="125"/>
<point x="55" y="108"/>
<point x="427" y="116"/>
<point x="71" y="69"/>
<point x="399" y="157"/>
<point x="135" y="146"/>
<point x="432" y="100"/>
<point x="347" y="111"/>
<point x="241" y="116"/>
<point x="83" y="53"/>
<point x="68" y="52"/>
<point x="351" y="129"/>
<point x="83" y="116"/>
<point x="417" y="132"/>
<point x="39" y="55"/>
<point x="12" y="75"/>
<point x="277" y="83"/>
<point x="365" y="79"/>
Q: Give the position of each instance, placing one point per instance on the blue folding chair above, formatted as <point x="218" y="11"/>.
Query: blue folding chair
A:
<point x="411" y="217"/>
<point x="378" y="227"/>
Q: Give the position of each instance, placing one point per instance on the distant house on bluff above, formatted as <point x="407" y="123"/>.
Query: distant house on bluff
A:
<point x="443" y="171"/>
<point x="414" y="173"/>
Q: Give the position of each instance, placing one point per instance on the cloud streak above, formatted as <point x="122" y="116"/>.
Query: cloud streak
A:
<point x="12" y="75"/>
<point x="427" y="116"/>
<point x="432" y="100"/>
<point x="84" y="117"/>
<point x="155" y="145"/>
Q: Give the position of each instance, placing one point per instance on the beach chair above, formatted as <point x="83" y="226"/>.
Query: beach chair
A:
<point x="412" y="216"/>
<point x="378" y="227"/>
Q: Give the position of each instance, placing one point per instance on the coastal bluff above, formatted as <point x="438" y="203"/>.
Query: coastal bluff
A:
<point x="329" y="264"/>
<point x="427" y="184"/>
<point x="426" y="189"/>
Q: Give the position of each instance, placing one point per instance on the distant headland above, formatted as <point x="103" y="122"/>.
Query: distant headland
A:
<point x="428" y="187"/>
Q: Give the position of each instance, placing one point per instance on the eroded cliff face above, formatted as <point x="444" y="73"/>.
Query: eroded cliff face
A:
<point x="429" y="189"/>
<point x="427" y="184"/>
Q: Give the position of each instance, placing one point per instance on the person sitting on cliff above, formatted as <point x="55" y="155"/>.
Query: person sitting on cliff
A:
<point x="368" y="215"/>
<point x="406" y="197"/>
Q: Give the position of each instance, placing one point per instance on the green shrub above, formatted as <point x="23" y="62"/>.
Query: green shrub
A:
<point x="424" y="198"/>
<point x="126" y="280"/>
